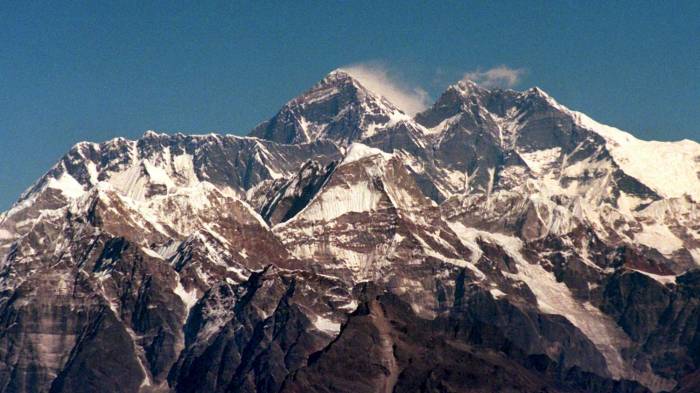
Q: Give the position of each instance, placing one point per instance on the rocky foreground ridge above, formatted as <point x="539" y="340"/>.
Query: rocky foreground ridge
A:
<point x="497" y="241"/>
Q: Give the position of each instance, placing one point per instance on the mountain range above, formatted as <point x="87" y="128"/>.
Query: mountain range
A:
<point x="495" y="242"/>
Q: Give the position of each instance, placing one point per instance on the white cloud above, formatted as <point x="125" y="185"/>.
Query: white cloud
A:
<point x="500" y="77"/>
<point x="378" y="78"/>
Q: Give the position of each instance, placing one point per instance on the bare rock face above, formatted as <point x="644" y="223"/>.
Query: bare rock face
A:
<point x="663" y="319"/>
<point x="382" y="348"/>
<point x="497" y="241"/>
<point x="65" y="318"/>
<point x="251" y="336"/>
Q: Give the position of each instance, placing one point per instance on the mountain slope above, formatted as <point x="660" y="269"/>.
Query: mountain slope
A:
<point x="496" y="241"/>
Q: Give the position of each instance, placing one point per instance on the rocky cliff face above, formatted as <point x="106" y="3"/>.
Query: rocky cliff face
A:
<point x="496" y="242"/>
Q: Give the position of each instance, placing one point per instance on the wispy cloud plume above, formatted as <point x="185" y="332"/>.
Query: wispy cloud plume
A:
<point x="497" y="77"/>
<point x="379" y="79"/>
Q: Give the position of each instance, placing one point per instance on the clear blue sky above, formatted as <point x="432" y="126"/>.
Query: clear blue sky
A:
<point x="72" y="71"/>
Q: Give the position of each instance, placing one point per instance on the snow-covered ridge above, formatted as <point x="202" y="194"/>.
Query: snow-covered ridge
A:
<point x="165" y="178"/>
<point x="163" y="159"/>
<point x="672" y="169"/>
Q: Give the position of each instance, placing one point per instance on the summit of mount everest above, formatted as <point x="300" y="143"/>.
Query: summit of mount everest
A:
<point x="497" y="241"/>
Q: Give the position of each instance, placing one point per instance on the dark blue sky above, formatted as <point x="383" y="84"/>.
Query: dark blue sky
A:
<point x="72" y="71"/>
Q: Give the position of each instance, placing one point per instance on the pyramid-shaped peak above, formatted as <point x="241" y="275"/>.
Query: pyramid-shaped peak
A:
<point x="468" y="86"/>
<point x="538" y="92"/>
<point x="345" y="78"/>
<point x="337" y="108"/>
<point x="542" y="96"/>
<point x="338" y="74"/>
<point x="337" y="83"/>
<point x="343" y="81"/>
<point x="338" y="77"/>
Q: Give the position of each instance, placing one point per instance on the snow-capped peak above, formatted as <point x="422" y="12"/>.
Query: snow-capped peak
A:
<point x="537" y="91"/>
<point x="467" y="87"/>
<point x="339" y="108"/>
<point x="339" y="76"/>
<point x="342" y="78"/>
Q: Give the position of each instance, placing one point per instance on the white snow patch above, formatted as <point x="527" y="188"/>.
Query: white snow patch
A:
<point x="92" y="171"/>
<point x="695" y="252"/>
<point x="339" y="200"/>
<point x="497" y="293"/>
<point x="658" y="277"/>
<point x="184" y="168"/>
<point x="443" y="125"/>
<point x="189" y="298"/>
<point x="326" y="325"/>
<point x="350" y="307"/>
<point x="358" y="151"/>
<point x="538" y="160"/>
<point x="130" y="183"/>
<point x="659" y="237"/>
<point x="157" y="174"/>
<point x="67" y="185"/>
<point x="151" y="253"/>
